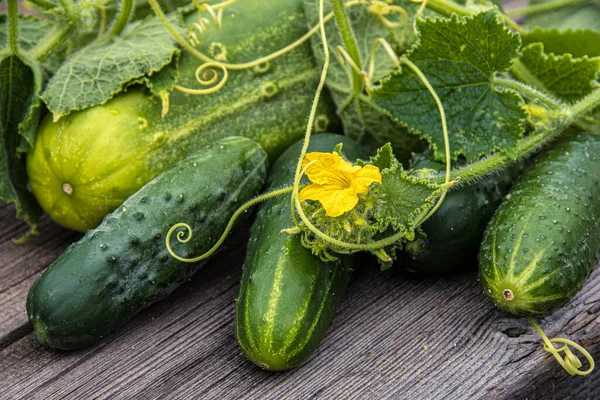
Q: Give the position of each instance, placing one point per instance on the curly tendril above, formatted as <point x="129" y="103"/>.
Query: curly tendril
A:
<point x="183" y="238"/>
<point x="203" y="24"/>
<point x="207" y="75"/>
<point x="570" y="362"/>
<point x="382" y="10"/>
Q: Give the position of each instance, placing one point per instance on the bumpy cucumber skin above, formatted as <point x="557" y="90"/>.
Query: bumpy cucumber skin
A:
<point x="103" y="280"/>
<point x="544" y="239"/>
<point x="287" y="296"/>
<point x="106" y="153"/>
<point x="455" y="231"/>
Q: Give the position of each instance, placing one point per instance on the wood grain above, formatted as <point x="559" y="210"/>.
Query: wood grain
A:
<point x="395" y="336"/>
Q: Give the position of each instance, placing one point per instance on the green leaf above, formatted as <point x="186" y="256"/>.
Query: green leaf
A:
<point x="577" y="42"/>
<point x="384" y="159"/>
<point x="20" y="81"/>
<point x="583" y="15"/>
<point x="564" y="76"/>
<point x="460" y="58"/>
<point x="362" y="119"/>
<point x="402" y="199"/>
<point x="100" y="70"/>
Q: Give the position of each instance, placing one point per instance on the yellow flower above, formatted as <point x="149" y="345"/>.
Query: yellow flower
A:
<point x="336" y="183"/>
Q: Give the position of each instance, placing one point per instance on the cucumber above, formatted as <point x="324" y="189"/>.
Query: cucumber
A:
<point x="287" y="296"/>
<point x="544" y="240"/>
<point x="457" y="226"/>
<point x="86" y="164"/>
<point x="114" y="271"/>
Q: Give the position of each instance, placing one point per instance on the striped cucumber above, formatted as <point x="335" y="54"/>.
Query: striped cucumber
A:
<point x="287" y="296"/>
<point x="86" y="164"/>
<point x="544" y="240"/>
<point x="122" y="266"/>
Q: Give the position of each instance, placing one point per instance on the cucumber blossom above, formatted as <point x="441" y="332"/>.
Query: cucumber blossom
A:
<point x="544" y="239"/>
<point x="115" y="270"/>
<point x="288" y="296"/>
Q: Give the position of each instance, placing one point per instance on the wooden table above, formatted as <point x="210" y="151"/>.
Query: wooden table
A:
<point x="395" y="336"/>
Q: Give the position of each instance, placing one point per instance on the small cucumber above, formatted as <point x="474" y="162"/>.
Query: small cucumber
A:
<point x="544" y="239"/>
<point x="287" y="296"/>
<point x="87" y="163"/>
<point x="122" y="266"/>
<point x="457" y="226"/>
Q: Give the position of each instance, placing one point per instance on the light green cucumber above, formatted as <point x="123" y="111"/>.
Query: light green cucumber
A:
<point x="544" y="239"/>
<point x="288" y="296"/>
<point x="106" y="278"/>
<point x="86" y="164"/>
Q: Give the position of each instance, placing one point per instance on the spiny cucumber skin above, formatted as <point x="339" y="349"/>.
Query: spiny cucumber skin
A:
<point x="288" y="296"/>
<point x="544" y="239"/>
<point x="122" y="266"/>
<point x="457" y="226"/>
<point x="107" y="152"/>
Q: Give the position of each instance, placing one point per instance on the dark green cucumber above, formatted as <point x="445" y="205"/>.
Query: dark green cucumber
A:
<point x="453" y="234"/>
<point x="544" y="239"/>
<point x="287" y="296"/>
<point x="122" y="266"/>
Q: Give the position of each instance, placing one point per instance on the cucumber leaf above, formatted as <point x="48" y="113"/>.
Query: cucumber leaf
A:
<point x="460" y="58"/>
<point x="577" y="42"/>
<point x="402" y="199"/>
<point x="582" y="15"/>
<point x="564" y="76"/>
<point x="100" y="70"/>
<point x="20" y="82"/>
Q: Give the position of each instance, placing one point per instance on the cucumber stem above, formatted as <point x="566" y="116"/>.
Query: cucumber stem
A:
<point x="55" y="37"/>
<point x="71" y="10"/>
<point x="123" y="17"/>
<point x="529" y="92"/>
<point x="13" y="26"/>
<point x="43" y="4"/>
<point x="529" y="144"/>
<point x="570" y="362"/>
<point x="347" y="34"/>
<point x="541" y="8"/>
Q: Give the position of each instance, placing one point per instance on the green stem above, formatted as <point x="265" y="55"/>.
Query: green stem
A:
<point x="123" y="17"/>
<point x="447" y="8"/>
<point x="529" y="92"/>
<point x="541" y="8"/>
<point x="345" y="29"/>
<point x="43" y="4"/>
<point x="71" y="11"/>
<point x="528" y="145"/>
<point x="55" y="37"/>
<point x="13" y="26"/>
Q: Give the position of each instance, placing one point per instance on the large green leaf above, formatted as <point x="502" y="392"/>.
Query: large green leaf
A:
<point x="582" y="15"/>
<point x="20" y="83"/>
<point x="100" y="70"/>
<point x="460" y="58"/>
<point x="564" y="76"/>
<point x="577" y="42"/>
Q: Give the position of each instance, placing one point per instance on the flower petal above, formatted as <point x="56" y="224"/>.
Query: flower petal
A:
<point x="365" y="177"/>
<point x="335" y="202"/>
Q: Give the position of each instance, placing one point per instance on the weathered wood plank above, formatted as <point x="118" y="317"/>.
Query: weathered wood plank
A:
<point x="395" y="336"/>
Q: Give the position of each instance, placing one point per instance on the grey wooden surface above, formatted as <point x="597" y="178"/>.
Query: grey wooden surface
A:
<point x="395" y="336"/>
